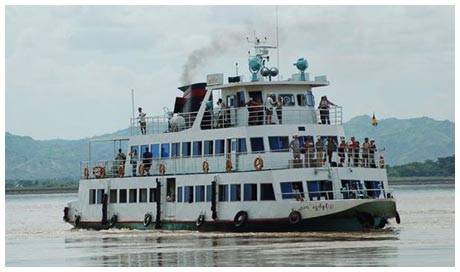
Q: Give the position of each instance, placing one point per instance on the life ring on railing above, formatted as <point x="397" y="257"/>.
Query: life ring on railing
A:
<point x="205" y="167"/>
<point x="294" y="217"/>
<point x="162" y="169"/>
<point x="228" y="165"/>
<point x="147" y="219"/>
<point x="240" y="219"/>
<point x="86" y="172"/>
<point x="121" y="171"/>
<point x="382" y="162"/>
<point x="258" y="163"/>
<point x="113" y="220"/>
<point x="199" y="221"/>
<point x="141" y="169"/>
<point x="99" y="171"/>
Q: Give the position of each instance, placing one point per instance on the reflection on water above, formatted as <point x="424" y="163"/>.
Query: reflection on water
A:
<point x="162" y="248"/>
<point x="425" y="237"/>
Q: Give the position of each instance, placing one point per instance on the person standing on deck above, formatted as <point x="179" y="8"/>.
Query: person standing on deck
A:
<point x="279" y="109"/>
<point x="295" y="146"/>
<point x="324" y="110"/>
<point x="341" y="151"/>
<point x="365" y="155"/>
<point x="372" y="149"/>
<point x="269" y="103"/>
<point x="319" y="151"/>
<point x="331" y="146"/>
<point x="133" y="160"/>
<point x="142" y="122"/>
<point x="147" y="161"/>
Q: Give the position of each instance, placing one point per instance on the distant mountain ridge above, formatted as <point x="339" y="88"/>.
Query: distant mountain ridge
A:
<point x="404" y="140"/>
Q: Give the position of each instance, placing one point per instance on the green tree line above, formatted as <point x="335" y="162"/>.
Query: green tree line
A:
<point x="443" y="167"/>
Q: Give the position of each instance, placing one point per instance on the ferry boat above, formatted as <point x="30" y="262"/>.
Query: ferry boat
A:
<point x="220" y="161"/>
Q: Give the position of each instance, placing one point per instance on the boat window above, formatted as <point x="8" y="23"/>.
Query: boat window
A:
<point x="132" y="195"/>
<point x="352" y="189"/>
<point x="143" y="149"/>
<point x="179" y="194"/>
<point x="373" y="188"/>
<point x="288" y="99"/>
<point x="188" y="194"/>
<point x="175" y="150"/>
<point x="235" y="192"/>
<point x="320" y="189"/>
<point x="241" y="147"/>
<point x="223" y="192"/>
<point x="220" y="147"/>
<point x="199" y="193"/>
<point x="153" y="194"/>
<point x="92" y="196"/>
<point x="136" y="148"/>
<point x="171" y="189"/>
<point x="287" y="190"/>
<point x="113" y="196"/>
<point x="208" y="148"/>
<point x="257" y="144"/>
<point x="266" y="191"/>
<point x="310" y="98"/>
<point x="186" y="149"/>
<point x="100" y="196"/>
<point x="155" y="150"/>
<point x="279" y="143"/>
<point x="241" y="99"/>
<point x="123" y="196"/>
<point x="250" y="192"/>
<point x="164" y="150"/>
<point x="301" y="100"/>
<point x="208" y="193"/>
<point x="197" y="147"/>
<point x="143" y="195"/>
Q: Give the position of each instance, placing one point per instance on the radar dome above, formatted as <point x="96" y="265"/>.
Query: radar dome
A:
<point x="273" y="71"/>
<point x="265" y="71"/>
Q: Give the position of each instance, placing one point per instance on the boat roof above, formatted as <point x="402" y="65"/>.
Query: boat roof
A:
<point x="270" y="83"/>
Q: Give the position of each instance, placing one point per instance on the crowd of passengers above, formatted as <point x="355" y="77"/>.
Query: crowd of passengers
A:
<point x="350" y="154"/>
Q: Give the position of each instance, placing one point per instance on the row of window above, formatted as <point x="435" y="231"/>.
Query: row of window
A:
<point x="236" y="192"/>
<point x="217" y="147"/>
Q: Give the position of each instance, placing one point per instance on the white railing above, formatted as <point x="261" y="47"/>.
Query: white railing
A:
<point x="235" y="117"/>
<point x="217" y="163"/>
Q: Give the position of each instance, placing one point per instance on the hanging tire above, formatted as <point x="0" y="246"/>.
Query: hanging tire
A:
<point x="398" y="219"/>
<point x="240" y="219"/>
<point x="199" y="221"/>
<point x="66" y="214"/>
<point x="113" y="220"/>
<point x="294" y="217"/>
<point x="76" y="222"/>
<point x="147" y="219"/>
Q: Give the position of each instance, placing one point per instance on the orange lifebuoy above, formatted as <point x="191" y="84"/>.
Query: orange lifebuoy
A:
<point x="99" y="171"/>
<point x="205" y="167"/>
<point x="86" y="173"/>
<point x="121" y="171"/>
<point x="162" y="169"/>
<point x="258" y="163"/>
<point x="228" y="165"/>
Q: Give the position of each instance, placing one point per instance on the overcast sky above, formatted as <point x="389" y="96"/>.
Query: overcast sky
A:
<point x="70" y="69"/>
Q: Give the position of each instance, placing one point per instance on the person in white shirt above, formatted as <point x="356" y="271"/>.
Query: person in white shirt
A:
<point x="143" y="124"/>
<point x="269" y="103"/>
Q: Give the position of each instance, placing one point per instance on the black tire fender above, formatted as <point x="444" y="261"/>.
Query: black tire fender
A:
<point x="199" y="221"/>
<point x="113" y="220"/>
<point x="147" y="219"/>
<point x="295" y="217"/>
<point x="240" y="219"/>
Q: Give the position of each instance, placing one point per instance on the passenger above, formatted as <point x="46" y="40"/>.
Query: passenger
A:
<point x="220" y="113"/>
<point x="341" y="151"/>
<point x="297" y="194"/>
<point x="147" y="161"/>
<point x="324" y="110"/>
<point x="372" y="149"/>
<point x="356" y="154"/>
<point x="309" y="152"/>
<point x="252" y="120"/>
<point x="142" y="122"/>
<point x="351" y="151"/>
<point x="133" y="160"/>
<point x="319" y="151"/>
<point x="295" y="146"/>
<point x="279" y="109"/>
<point x="120" y="158"/>
<point x="260" y="111"/>
<point x="269" y="103"/>
<point x="331" y="147"/>
<point x="365" y="155"/>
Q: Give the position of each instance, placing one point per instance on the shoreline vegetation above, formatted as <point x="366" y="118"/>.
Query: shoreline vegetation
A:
<point x="391" y="180"/>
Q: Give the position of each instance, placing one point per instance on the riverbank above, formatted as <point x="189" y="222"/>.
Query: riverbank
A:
<point x="391" y="180"/>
